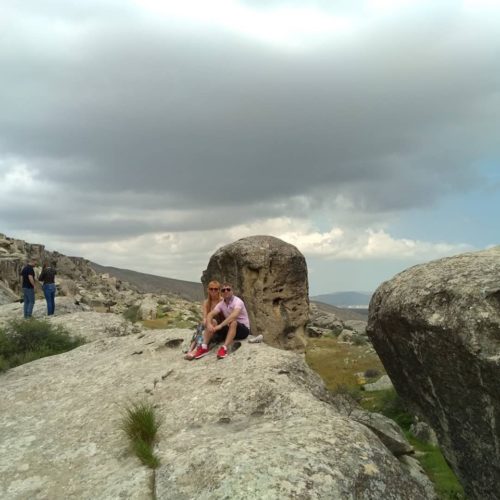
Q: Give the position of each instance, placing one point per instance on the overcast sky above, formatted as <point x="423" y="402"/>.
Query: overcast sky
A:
<point x="146" y="134"/>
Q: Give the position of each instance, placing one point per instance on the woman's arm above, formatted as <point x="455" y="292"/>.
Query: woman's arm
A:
<point x="204" y="311"/>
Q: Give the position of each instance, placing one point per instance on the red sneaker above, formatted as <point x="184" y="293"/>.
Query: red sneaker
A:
<point x="200" y="352"/>
<point x="222" y="352"/>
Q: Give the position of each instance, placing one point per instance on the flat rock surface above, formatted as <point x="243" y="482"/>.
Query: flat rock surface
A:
<point x="257" y="424"/>
<point x="64" y="305"/>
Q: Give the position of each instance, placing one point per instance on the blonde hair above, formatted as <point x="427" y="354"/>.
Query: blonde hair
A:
<point x="211" y="302"/>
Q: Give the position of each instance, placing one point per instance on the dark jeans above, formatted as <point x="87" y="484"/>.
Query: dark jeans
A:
<point x="49" y="291"/>
<point x="29" y="301"/>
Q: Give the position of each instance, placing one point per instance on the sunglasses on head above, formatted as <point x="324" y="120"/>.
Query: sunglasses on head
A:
<point x="225" y="289"/>
<point x="214" y="289"/>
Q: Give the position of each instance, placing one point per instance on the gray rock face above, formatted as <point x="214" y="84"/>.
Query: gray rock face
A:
<point x="257" y="424"/>
<point x="271" y="278"/>
<point x="386" y="429"/>
<point x="6" y="294"/>
<point x="436" y="328"/>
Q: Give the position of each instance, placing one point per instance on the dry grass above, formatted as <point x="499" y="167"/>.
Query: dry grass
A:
<point x="171" y="320"/>
<point x="338" y="363"/>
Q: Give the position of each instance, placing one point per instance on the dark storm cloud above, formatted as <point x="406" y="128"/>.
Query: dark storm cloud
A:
<point x="102" y="100"/>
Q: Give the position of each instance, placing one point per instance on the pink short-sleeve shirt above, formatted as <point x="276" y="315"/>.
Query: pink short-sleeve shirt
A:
<point x="234" y="303"/>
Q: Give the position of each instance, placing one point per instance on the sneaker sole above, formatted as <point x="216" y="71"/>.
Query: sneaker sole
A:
<point x="201" y="355"/>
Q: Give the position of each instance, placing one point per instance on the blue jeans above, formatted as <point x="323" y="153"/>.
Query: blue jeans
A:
<point x="49" y="290"/>
<point x="29" y="301"/>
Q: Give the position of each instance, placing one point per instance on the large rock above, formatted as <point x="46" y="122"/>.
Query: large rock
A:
<point x="258" y="424"/>
<point x="271" y="278"/>
<point x="436" y="328"/>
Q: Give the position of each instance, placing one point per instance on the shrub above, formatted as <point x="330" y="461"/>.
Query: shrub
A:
<point x="131" y="313"/>
<point x="359" y="340"/>
<point x="141" y="424"/>
<point x="372" y="373"/>
<point x="22" y="341"/>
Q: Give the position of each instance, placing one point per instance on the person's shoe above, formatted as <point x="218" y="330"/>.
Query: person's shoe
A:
<point x="200" y="352"/>
<point x="222" y="352"/>
<point x="256" y="340"/>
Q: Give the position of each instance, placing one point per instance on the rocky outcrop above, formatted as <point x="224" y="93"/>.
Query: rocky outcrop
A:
<point x="6" y="294"/>
<point x="436" y="328"/>
<point x="258" y="424"/>
<point x="148" y="308"/>
<point x="323" y="322"/>
<point x="75" y="279"/>
<point x="271" y="278"/>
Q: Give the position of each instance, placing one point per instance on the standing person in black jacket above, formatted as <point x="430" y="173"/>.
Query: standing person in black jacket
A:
<point x="47" y="276"/>
<point x="28" y="286"/>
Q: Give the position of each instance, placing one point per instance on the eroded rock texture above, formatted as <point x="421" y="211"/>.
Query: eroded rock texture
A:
<point x="271" y="278"/>
<point x="436" y="328"/>
<point x="256" y="425"/>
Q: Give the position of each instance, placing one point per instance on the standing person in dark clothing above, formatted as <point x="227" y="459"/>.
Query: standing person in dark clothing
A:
<point x="47" y="276"/>
<point x="28" y="285"/>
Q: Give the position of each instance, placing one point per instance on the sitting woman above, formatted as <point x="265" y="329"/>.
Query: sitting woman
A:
<point x="214" y="297"/>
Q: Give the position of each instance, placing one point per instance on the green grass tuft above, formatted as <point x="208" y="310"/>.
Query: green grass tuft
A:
<point x="145" y="454"/>
<point x="22" y="341"/>
<point x="141" y="425"/>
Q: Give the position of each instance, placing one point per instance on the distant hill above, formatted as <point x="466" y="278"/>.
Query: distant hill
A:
<point x="149" y="283"/>
<point x="344" y="314"/>
<point x="345" y="299"/>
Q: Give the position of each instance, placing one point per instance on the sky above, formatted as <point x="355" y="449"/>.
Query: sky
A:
<point x="146" y="134"/>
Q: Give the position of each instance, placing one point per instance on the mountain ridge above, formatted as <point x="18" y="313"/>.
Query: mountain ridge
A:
<point x="345" y="299"/>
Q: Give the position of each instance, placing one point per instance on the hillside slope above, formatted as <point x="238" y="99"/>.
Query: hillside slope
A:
<point x="149" y="283"/>
<point x="344" y="299"/>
